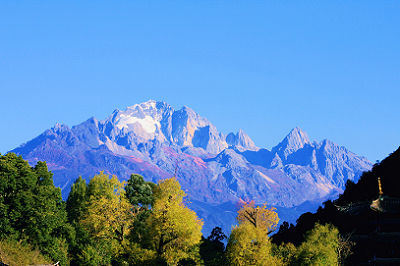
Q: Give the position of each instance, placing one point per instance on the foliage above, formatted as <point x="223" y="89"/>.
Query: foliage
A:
<point x="249" y="243"/>
<point x="174" y="227"/>
<point x="286" y="253"/>
<point x="212" y="248"/>
<point x="344" y="248"/>
<point x="320" y="246"/>
<point x="363" y="192"/>
<point x="140" y="195"/>
<point x="108" y="212"/>
<point x="139" y="256"/>
<point x="18" y="253"/>
<point x="76" y="200"/>
<point x="103" y="217"/>
<point x="104" y="222"/>
<point x="259" y="216"/>
<point x="139" y="192"/>
<point x="76" y="208"/>
<point x="31" y="207"/>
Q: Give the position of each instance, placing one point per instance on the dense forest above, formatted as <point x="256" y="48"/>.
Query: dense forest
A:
<point x="109" y="222"/>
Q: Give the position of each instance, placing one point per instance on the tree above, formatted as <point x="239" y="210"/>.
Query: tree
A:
<point x="259" y="216"/>
<point x="13" y="252"/>
<point x="286" y="252"/>
<point x="139" y="192"/>
<point x="17" y="179"/>
<point x="108" y="213"/>
<point x="320" y="246"/>
<point x="76" y="208"/>
<point x="108" y="218"/>
<point x="31" y="207"/>
<point x="76" y="200"/>
<point x="249" y="243"/>
<point x="175" y="229"/>
<point x="344" y="248"/>
<point x="212" y="248"/>
<point x="140" y="195"/>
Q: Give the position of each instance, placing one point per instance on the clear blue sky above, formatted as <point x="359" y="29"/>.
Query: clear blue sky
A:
<point x="330" y="67"/>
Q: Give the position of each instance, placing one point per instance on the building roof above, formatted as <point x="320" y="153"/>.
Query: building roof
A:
<point x="383" y="204"/>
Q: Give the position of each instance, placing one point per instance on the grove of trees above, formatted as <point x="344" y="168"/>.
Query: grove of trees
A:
<point x="109" y="222"/>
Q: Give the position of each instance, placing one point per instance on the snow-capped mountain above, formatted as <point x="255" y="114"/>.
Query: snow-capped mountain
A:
<point x="154" y="140"/>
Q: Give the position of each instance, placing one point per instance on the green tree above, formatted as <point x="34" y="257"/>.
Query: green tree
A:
<point x="140" y="195"/>
<point x="286" y="252"/>
<point x="139" y="192"/>
<point x="77" y="200"/>
<point x="17" y="179"/>
<point x="76" y="208"/>
<point x="31" y="207"/>
<point x="212" y="248"/>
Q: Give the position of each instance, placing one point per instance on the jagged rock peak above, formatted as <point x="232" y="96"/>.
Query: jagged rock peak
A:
<point x="192" y="115"/>
<point x="146" y="108"/>
<point x="60" y="128"/>
<point x="231" y="159"/>
<point x="241" y="141"/>
<point x="297" y="137"/>
<point x="294" y="141"/>
<point x="143" y="107"/>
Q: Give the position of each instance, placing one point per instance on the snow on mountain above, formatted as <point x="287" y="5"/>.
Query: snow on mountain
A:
<point x="145" y="114"/>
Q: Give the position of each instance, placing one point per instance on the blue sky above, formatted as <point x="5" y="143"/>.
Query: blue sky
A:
<point x="330" y="67"/>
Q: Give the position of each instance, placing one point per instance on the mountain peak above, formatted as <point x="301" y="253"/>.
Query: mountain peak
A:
<point x="144" y="114"/>
<point x="295" y="140"/>
<point x="149" y="105"/>
<point x="60" y="128"/>
<point x="298" y="137"/>
<point x="241" y="141"/>
<point x="189" y="111"/>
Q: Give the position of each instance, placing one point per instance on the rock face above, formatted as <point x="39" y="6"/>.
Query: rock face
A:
<point x="154" y="140"/>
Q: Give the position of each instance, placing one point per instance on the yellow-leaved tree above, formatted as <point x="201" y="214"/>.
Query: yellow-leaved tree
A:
<point x="108" y="217"/>
<point x="175" y="229"/>
<point x="249" y="243"/>
<point x="261" y="217"/>
<point x="320" y="246"/>
<point x="109" y="214"/>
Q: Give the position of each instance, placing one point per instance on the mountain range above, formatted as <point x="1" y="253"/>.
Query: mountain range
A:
<point x="216" y="170"/>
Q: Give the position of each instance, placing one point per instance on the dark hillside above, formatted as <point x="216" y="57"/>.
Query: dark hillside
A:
<point x="367" y="187"/>
<point x="364" y="223"/>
